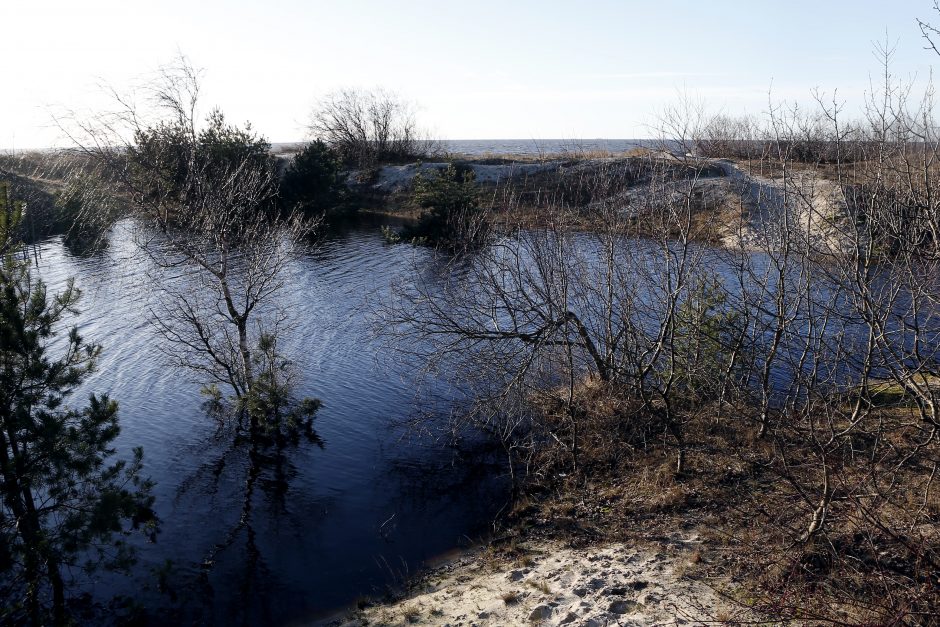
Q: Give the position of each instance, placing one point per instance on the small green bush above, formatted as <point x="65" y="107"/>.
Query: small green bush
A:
<point x="453" y="217"/>
<point x="706" y="330"/>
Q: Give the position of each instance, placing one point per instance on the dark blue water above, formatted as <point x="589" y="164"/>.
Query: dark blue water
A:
<point x="357" y="515"/>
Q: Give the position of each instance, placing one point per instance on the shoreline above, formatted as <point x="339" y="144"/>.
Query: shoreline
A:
<point x="550" y="583"/>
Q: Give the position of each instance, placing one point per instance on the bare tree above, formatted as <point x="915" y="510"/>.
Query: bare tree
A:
<point x="202" y="195"/>
<point x="367" y="127"/>
<point x="537" y="313"/>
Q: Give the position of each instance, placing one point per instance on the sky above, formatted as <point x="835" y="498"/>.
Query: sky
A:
<point x="474" y="69"/>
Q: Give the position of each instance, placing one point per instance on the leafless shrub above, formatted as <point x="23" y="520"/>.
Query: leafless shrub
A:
<point x="370" y="127"/>
<point x="724" y="136"/>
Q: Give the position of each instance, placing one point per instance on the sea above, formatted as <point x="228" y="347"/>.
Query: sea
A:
<point x="531" y="147"/>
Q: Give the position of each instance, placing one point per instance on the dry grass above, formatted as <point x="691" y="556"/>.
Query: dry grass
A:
<point x="579" y="185"/>
<point x="541" y="586"/>
<point x="749" y="507"/>
<point x="411" y="614"/>
<point x="893" y="394"/>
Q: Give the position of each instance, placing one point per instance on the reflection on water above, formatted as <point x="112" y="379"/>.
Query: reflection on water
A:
<point x="310" y="532"/>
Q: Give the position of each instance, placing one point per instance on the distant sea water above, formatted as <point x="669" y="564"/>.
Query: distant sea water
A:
<point x="522" y="147"/>
<point x="535" y="147"/>
<point x="478" y="147"/>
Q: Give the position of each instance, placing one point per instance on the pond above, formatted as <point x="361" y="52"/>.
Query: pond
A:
<point x="357" y="515"/>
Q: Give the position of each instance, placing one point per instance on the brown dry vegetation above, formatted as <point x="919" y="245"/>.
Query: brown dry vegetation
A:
<point x="876" y="564"/>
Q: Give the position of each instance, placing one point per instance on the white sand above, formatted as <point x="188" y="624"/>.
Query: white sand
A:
<point x="815" y="207"/>
<point x="393" y="178"/>
<point x="611" y="585"/>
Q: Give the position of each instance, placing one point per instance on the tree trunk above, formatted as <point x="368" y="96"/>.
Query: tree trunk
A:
<point x="58" y="590"/>
<point x="822" y="509"/>
<point x="602" y="367"/>
<point x="245" y="351"/>
<point x="15" y="494"/>
<point x="247" y="373"/>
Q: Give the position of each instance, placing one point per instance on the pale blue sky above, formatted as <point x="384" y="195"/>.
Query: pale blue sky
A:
<point x="477" y="69"/>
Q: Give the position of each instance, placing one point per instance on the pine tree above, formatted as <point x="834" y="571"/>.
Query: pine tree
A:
<point x="66" y="503"/>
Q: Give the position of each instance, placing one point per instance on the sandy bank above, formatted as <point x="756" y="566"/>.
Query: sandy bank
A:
<point x="614" y="584"/>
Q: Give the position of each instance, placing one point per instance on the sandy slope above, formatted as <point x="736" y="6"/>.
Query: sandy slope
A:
<point x="805" y="207"/>
<point x="611" y="585"/>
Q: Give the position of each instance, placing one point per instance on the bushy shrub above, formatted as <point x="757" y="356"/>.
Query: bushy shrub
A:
<point x="65" y="195"/>
<point x="453" y="216"/>
<point x="314" y="183"/>
<point x="174" y="166"/>
<point x="83" y="212"/>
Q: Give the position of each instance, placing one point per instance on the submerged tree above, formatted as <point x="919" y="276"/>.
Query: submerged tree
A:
<point x="203" y="205"/>
<point x="204" y="197"/>
<point x="66" y="503"/>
